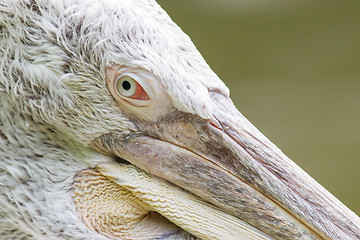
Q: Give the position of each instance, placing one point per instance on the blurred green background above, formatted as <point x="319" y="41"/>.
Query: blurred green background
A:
<point x="293" y="68"/>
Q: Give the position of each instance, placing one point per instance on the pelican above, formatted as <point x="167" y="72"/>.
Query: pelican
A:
<point x="113" y="126"/>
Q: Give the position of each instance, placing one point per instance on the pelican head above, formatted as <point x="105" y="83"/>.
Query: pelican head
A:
<point x="113" y="126"/>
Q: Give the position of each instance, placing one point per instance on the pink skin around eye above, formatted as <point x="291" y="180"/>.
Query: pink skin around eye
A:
<point x="140" y="93"/>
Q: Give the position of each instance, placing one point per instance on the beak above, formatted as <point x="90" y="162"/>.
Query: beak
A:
<point x="226" y="161"/>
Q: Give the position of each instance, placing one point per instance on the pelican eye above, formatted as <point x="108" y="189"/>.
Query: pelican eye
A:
<point x="127" y="87"/>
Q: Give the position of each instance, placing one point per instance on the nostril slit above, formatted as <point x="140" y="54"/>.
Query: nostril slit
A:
<point x="216" y="124"/>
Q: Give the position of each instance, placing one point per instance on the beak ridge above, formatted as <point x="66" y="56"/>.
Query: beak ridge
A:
<point x="267" y="169"/>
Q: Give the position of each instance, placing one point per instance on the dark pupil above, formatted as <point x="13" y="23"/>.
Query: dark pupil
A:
<point x="126" y="85"/>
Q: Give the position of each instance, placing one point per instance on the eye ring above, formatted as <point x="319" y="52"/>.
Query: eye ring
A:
<point x="127" y="87"/>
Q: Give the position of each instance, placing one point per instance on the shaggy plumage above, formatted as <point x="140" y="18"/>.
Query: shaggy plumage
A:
<point x="53" y="100"/>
